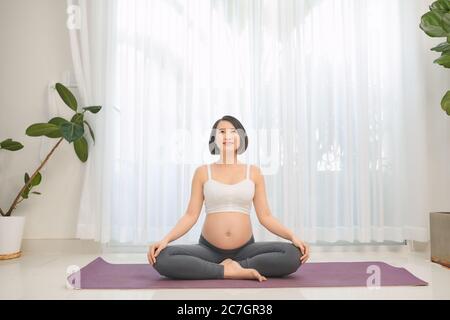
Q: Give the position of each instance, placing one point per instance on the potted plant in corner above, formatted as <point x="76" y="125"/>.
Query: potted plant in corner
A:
<point x="73" y="131"/>
<point x="11" y="228"/>
<point x="436" y="23"/>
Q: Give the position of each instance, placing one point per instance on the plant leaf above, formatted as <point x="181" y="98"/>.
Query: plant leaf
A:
<point x="81" y="149"/>
<point x="27" y="177"/>
<point x="10" y="145"/>
<point x="26" y="191"/>
<point x="431" y="24"/>
<point x="36" y="180"/>
<point x="25" y="194"/>
<point x="67" y="96"/>
<point x="41" y="129"/>
<point x="35" y="192"/>
<point x="56" y="121"/>
<point x="93" y="109"/>
<point x="442" y="47"/>
<point x="78" y="119"/>
<point x="443" y="60"/>
<point x="445" y="103"/>
<point x="90" y="131"/>
<point x="71" y="131"/>
<point x="440" y="5"/>
<point x="446" y="22"/>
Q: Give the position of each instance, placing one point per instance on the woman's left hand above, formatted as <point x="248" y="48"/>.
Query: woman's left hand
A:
<point x="303" y="247"/>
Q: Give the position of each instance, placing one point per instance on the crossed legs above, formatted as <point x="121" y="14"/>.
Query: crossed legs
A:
<point x="270" y="258"/>
<point x="197" y="261"/>
<point x="189" y="261"/>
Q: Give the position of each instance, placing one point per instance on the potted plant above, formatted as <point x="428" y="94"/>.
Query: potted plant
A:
<point x="436" y="24"/>
<point x="73" y="131"/>
<point x="11" y="228"/>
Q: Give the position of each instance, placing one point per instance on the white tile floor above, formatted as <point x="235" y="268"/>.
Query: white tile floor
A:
<point x="42" y="276"/>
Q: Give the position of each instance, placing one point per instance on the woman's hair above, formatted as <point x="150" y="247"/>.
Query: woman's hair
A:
<point x="214" y="149"/>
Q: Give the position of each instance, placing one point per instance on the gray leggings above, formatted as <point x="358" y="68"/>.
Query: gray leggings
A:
<point x="202" y="260"/>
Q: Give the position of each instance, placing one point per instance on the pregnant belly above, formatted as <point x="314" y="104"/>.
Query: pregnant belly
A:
<point x="227" y="230"/>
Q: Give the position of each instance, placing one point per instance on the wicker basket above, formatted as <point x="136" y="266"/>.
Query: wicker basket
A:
<point x="10" y="256"/>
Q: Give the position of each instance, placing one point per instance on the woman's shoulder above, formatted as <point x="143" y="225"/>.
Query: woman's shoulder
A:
<point x="202" y="167"/>
<point x="201" y="172"/>
<point x="255" y="171"/>
<point x="255" y="167"/>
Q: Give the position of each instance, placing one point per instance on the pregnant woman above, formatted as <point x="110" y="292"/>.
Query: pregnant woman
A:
<point x="226" y="248"/>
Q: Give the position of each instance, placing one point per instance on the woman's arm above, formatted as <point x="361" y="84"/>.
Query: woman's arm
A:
<point x="262" y="209"/>
<point x="192" y="213"/>
<point x="270" y="222"/>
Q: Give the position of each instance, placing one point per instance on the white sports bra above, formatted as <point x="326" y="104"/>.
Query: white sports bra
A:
<point x="220" y="197"/>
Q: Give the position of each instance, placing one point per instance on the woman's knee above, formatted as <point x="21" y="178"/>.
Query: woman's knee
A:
<point x="291" y="259"/>
<point x="162" y="264"/>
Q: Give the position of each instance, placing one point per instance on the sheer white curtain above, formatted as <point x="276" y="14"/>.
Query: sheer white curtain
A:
<point x="332" y="94"/>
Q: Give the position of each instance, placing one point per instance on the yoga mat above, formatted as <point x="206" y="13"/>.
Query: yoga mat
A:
<point x="99" y="274"/>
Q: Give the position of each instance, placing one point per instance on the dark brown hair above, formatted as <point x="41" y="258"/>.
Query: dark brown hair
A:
<point x="214" y="149"/>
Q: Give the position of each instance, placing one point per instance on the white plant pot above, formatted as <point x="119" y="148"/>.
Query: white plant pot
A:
<point x="11" y="232"/>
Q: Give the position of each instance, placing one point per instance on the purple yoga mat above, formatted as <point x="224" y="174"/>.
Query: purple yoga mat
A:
<point x="100" y="274"/>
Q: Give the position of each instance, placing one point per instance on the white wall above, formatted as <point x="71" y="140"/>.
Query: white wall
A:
<point x="34" y="49"/>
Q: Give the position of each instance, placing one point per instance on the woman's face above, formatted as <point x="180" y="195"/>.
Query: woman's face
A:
<point x="227" y="137"/>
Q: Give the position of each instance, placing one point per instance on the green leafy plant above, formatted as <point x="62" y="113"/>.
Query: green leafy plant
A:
<point x="436" y="24"/>
<point x="10" y="145"/>
<point x="72" y="130"/>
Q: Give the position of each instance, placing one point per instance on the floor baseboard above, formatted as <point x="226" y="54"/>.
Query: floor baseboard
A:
<point x="61" y="246"/>
<point x="91" y="247"/>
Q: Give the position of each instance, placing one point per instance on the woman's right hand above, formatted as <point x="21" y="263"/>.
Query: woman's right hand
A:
<point x="155" y="249"/>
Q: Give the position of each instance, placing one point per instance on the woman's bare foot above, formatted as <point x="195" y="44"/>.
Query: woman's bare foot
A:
<point x="226" y="261"/>
<point x="233" y="270"/>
